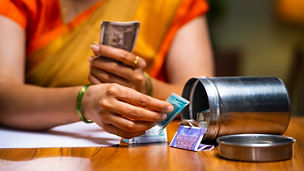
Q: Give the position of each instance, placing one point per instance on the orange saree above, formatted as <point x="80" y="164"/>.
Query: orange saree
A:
<point x="57" y="52"/>
<point x="291" y="11"/>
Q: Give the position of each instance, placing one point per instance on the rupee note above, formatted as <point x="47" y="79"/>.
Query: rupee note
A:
<point x="150" y="136"/>
<point x="190" y="138"/>
<point x="179" y="103"/>
<point x="202" y="118"/>
<point x="119" y="34"/>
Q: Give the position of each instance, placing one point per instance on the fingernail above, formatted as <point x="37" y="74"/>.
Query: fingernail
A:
<point x="90" y="59"/>
<point x="95" y="48"/>
<point x="164" y="117"/>
<point x="170" y="108"/>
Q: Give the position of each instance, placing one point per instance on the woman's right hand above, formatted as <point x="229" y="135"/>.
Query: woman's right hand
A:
<point x="123" y="111"/>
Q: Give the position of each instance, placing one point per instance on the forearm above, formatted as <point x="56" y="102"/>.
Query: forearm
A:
<point x="36" y="108"/>
<point x="162" y="90"/>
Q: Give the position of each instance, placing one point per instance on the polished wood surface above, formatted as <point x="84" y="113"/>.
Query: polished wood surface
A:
<point x="144" y="157"/>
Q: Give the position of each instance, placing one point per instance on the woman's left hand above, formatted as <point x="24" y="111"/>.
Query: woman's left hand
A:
<point x="113" y="65"/>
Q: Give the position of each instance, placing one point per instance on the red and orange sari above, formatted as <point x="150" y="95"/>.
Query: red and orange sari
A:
<point x="57" y="52"/>
<point x="291" y="11"/>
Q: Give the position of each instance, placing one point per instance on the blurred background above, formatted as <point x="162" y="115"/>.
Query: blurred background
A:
<point x="260" y="38"/>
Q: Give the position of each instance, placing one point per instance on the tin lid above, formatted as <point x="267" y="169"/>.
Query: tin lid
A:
<point x="256" y="147"/>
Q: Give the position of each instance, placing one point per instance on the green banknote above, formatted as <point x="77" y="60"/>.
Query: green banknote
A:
<point x="179" y="104"/>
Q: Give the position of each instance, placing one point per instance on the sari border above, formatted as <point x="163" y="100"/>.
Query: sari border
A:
<point x="182" y="17"/>
<point x="64" y="28"/>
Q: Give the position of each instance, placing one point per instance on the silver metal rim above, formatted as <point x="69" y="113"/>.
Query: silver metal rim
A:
<point x="259" y="148"/>
<point x="226" y="140"/>
<point x="214" y="121"/>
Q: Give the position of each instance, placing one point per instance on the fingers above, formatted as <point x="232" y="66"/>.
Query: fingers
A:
<point x="114" y="130"/>
<point x="133" y="97"/>
<point x="126" y="124"/>
<point x="139" y="99"/>
<point x="136" y="113"/>
<point x="124" y="56"/>
<point x="118" y="66"/>
<point x="93" y="79"/>
<point x="105" y="77"/>
<point x="118" y="71"/>
<point x="114" y="68"/>
<point x="124" y="111"/>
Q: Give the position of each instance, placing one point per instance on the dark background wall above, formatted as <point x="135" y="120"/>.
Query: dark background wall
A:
<point x="252" y="36"/>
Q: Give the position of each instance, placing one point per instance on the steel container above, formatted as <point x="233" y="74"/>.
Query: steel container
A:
<point x="237" y="105"/>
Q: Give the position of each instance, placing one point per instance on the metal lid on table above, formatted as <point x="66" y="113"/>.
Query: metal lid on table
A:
<point x="256" y="147"/>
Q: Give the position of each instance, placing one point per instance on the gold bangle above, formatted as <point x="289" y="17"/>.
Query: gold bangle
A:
<point x="150" y="86"/>
<point x="79" y="106"/>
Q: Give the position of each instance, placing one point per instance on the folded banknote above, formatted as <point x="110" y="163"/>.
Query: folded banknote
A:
<point x="179" y="103"/>
<point x="119" y="34"/>
<point x="151" y="135"/>
<point x="190" y="138"/>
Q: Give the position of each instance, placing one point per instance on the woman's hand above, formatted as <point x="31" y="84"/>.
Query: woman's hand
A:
<point x="123" y="111"/>
<point x="113" y="65"/>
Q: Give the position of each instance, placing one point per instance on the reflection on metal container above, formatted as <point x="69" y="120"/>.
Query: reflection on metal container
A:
<point x="236" y="105"/>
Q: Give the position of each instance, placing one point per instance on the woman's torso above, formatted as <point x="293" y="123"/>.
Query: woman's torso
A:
<point x="58" y="46"/>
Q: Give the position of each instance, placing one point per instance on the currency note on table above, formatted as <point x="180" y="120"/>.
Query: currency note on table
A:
<point x="190" y="138"/>
<point x="179" y="103"/>
<point x="151" y="136"/>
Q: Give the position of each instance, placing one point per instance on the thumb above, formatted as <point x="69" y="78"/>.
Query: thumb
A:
<point x="95" y="48"/>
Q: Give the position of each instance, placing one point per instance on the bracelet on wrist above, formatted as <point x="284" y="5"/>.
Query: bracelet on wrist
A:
<point x="82" y="91"/>
<point x="150" y="86"/>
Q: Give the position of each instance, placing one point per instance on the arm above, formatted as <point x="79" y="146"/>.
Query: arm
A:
<point x="119" y="110"/>
<point x="20" y="102"/>
<point x="189" y="56"/>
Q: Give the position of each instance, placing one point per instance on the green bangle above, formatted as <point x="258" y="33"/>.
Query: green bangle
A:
<point x="78" y="104"/>
<point x="150" y="86"/>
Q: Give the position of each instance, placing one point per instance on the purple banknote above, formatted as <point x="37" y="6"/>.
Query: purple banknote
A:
<point x="190" y="138"/>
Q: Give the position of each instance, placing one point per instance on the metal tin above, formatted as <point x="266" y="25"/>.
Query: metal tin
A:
<point x="256" y="147"/>
<point x="237" y="105"/>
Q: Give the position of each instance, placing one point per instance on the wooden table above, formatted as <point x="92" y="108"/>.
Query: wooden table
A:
<point x="144" y="157"/>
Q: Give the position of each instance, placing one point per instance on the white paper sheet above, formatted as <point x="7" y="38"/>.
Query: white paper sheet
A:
<point x="77" y="134"/>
